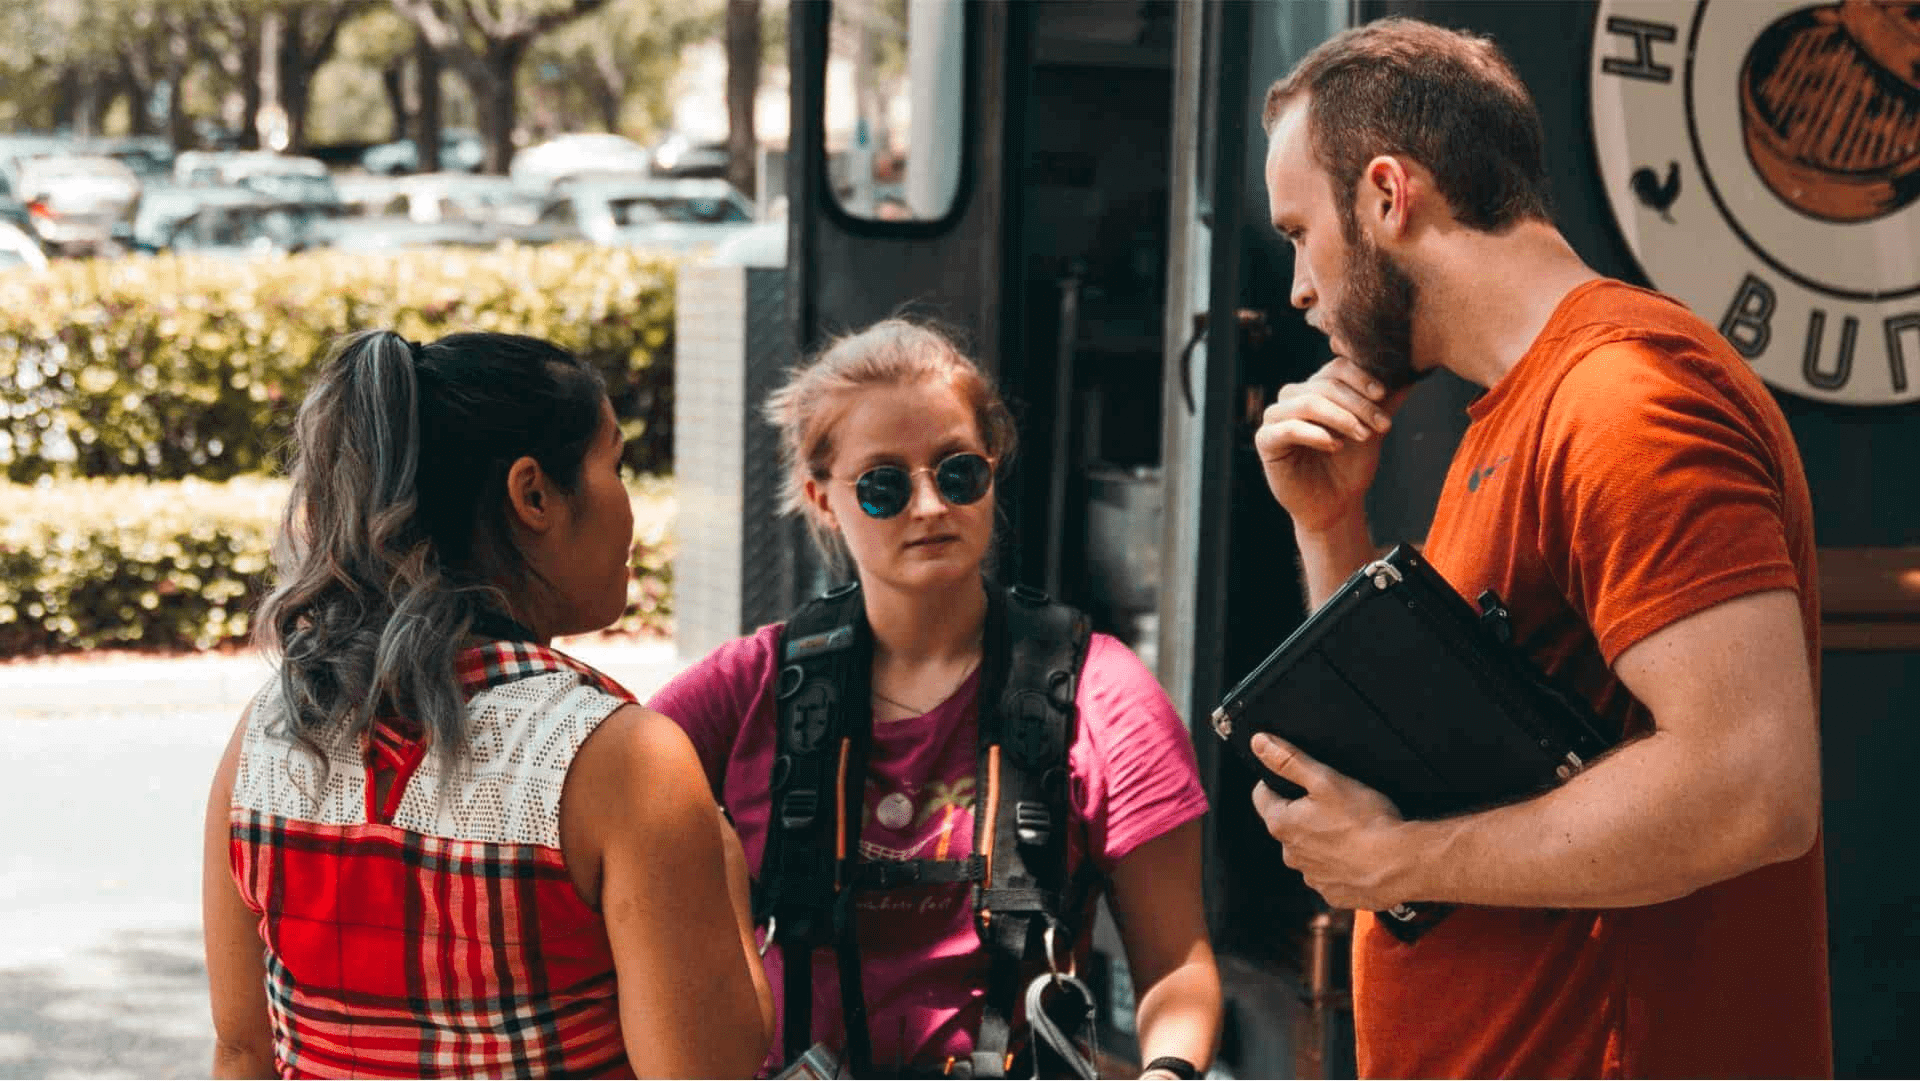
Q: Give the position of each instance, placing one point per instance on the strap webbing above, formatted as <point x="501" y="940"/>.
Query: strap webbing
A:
<point x="823" y="728"/>
<point x="1026" y="728"/>
<point x="811" y="871"/>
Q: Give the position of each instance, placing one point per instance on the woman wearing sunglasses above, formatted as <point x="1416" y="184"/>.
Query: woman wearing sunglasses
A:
<point x="894" y="441"/>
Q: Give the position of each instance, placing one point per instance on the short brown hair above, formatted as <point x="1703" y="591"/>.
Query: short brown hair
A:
<point x="892" y="352"/>
<point x="1447" y="99"/>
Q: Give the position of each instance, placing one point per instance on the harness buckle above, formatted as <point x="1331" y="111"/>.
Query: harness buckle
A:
<point x="798" y="809"/>
<point x="1033" y="822"/>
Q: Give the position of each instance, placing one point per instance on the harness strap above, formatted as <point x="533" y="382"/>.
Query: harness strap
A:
<point x="811" y="871"/>
<point x="796" y="988"/>
<point x="1026" y="718"/>
<point x="896" y="874"/>
<point x="823" y="729"/>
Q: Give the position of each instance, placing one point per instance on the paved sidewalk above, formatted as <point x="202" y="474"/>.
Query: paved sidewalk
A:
<point x="206" y="680"/>
<point x="108" y="761"/>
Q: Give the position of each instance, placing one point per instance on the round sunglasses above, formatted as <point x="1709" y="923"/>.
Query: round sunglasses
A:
<point x="961" y="479"/>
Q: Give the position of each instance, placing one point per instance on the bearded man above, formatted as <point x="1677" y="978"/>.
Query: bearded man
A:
<point x="1633" y="491"/>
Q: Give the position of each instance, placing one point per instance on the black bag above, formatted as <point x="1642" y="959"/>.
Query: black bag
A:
<point x="1397" y="683"/>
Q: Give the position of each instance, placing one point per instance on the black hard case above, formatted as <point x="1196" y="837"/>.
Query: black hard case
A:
<point x="1398" y="683"/>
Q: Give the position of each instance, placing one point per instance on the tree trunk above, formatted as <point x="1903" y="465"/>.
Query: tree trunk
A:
<point x="296" y="96"/>
<point x="99" y="97"/>
<point x="176" y="58"/>
<point x="394" y="81"/>
<point x="498" y="103"/>
<point x="250" y="93"/>
<point x="743" y="86"/>
<point x="608" y="99"/>
<point x="139" y="93"/>
<point x="611" y="91"/>
<point x="179" y="124"/>
<point x="426" y="130"/>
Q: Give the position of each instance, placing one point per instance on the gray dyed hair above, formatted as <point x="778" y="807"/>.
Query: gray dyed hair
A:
<point x="395" y="538"/>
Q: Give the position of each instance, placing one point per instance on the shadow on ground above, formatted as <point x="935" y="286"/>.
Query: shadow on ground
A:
<point x="135" y="1006"/>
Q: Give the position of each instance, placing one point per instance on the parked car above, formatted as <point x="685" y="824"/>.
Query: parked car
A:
<point x="162" y="211"/>
<point x="244" y="222"/>
<point x="19" y="249"/>
<point x="369" y="196"/>
<point x="17" y="149"/>
<point x="289" y="177"/>
<point x="149" y="156"/>
<point x="391" y="233"/>
<point x="75" y="200"/>
<point x="567" y="158"/>
<point x="461" y="150"/>
<point x="679" y="156"/>
<point x="675" y="215"/>
<point x="11" y="208"/>
<point x="432" y="197"/>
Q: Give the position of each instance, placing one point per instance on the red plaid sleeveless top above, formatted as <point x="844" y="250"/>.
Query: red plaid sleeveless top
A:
<point x="437" y="933"/>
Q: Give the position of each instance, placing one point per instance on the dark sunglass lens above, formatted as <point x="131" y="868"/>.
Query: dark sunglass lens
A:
<point x="964" y="478"/>
<point x="883" y="491"/>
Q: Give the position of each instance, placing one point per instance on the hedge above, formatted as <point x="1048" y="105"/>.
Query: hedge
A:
<point x="191" y="366"/>
<point x="182" y="565"/>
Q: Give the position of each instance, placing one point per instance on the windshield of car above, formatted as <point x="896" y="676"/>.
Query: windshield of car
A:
<point x="294" y="187"/>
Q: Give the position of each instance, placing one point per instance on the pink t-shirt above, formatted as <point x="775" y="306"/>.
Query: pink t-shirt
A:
<point x="924" y="970"/>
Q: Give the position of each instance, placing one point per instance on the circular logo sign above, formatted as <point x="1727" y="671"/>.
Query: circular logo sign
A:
<point x="1762" y="159"/>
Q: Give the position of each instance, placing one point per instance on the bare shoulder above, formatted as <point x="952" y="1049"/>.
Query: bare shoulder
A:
<point x="638" y="762"/>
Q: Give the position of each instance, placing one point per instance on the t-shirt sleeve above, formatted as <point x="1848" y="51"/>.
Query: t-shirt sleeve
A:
<point x="1661" y="493"/>
<point x="1141" y="777"/>
<point x="711" y="700"/>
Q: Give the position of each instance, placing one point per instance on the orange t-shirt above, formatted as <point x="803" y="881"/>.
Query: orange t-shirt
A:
<point x="1628" y="472"/>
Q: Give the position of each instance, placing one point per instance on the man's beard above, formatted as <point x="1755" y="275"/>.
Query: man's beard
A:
<point x="1375" y="317"/>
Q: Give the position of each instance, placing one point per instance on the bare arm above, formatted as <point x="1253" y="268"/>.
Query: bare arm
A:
<point x="1319" y="444"/>
<point x="692" y="1000"/>
<point x="1728" y="782"/>
<point x="236" y="969"/>
<point x="1156" y="902"/>
<point x="740" y="891"/>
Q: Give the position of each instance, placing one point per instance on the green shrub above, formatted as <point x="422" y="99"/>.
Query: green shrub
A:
<point x="124" y="563"/>
<point x="192" y="366"/>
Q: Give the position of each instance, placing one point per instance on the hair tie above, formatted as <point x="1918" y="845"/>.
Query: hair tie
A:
<point x="413" y="348"/>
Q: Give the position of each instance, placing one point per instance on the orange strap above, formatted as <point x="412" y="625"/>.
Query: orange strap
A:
<point x="992" y="813"/>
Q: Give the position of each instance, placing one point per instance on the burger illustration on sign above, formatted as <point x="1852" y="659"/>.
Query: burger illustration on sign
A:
<point x="1762" y="160"/>
<point x="1830" y="104"/>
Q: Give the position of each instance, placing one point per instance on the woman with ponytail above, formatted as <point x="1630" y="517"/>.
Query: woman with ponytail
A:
<point x="435" y="846"/>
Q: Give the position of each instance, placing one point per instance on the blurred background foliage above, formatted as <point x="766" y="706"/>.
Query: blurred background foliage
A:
<point x="192" y="366"/>
<point x="145" y="406"/>
<point x="175" y="565"/>
<point x="351" y="71"/>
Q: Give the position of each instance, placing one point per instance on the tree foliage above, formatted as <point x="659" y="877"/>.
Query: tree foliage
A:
<point x="616" y="67"/>
<point x="485" y="41"/>
<point x="346" y="69"/>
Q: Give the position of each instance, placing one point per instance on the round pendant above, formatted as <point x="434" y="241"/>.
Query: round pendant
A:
<point x="895" y="811"/>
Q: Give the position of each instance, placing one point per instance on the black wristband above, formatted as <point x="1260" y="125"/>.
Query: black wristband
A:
<point x="1174" y="1065"/>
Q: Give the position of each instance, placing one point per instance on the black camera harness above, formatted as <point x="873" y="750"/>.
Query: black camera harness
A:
<point x="1024" y="905"/>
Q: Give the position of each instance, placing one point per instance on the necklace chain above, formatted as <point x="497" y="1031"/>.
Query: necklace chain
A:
<point x="917" y="711"/>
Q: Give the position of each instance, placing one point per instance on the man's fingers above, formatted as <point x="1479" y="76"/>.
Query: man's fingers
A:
<point x="1353" y="375"/>
<point x="1272" y="807"/>
<point x="1290" y="762"/>
<point x="1328" y="413"/>
<point x="1276" y="440"/>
